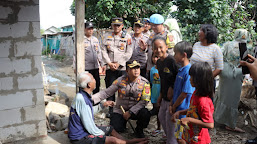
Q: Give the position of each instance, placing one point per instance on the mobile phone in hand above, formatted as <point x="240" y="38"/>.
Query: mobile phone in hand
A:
<point x="244" y="57"/>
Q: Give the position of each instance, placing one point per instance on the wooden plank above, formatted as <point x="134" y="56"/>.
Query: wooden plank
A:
<point x="79" y="36"/>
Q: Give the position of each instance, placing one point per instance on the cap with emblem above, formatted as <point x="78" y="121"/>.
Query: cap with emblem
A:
<point x="146" y="20"/>
<point x="89" y="25"/>
<point x="132" y="64"/>
<point x="156" y="19"/>
<point x="139" y="22"/>
<point x="117" y="21"/>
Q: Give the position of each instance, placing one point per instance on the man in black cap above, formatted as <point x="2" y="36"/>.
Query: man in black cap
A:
<point x="133" y="95"/>
<point x="139" y="39"/>
<point x="116" y="50"/>
<point x="93" y="54"/>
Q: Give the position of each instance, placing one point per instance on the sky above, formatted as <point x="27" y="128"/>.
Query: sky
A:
<point x="55" y="13"/>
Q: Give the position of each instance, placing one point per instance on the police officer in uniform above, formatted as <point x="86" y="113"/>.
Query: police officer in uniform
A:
<point x="93" y="54"/>
<point x="158" y="28"/>
<point x="147" y="27"/>
<point x="133" y="95"/>
<point x="138" y="39"/>
<point x="116" y="51"/>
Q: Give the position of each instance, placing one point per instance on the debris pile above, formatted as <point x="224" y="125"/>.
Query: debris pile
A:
<point x="247" y="105"/>
<point x="56" y="110"/>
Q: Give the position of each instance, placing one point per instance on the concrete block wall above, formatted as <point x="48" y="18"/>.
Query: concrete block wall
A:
<point x="22" y="109"/>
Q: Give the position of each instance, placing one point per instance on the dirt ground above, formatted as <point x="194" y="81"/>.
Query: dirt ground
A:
<point x="61" y="77"/>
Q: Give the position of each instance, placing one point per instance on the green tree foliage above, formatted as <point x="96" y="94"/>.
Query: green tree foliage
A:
<point x="226" y="15"/>
<point x="102" y="11"/>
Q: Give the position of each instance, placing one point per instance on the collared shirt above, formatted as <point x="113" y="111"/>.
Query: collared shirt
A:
<point x="93" y="54"/>
<point x="138" y="54"/>
<point x="117" y="49"/>
<point x="182" y="84"/>
<point x="132" y="96"/>
<point x="148" y="33"/>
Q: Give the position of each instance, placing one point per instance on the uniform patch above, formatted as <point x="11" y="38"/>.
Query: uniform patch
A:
<point x="109" y="37"/>
<point x="123" y="84"/>
<point x="147" y="89"/>
<point x="171" y="38"/>
<point x="146" y="94"/>
<point x="138" y="96"/>
<point x="140" y="87"/>
<point x="123" y="92"/>
<point x="166" y="70"/>
<point x="129" y="41"/>
<point x="122" y="48"/>
<point x="115" y="82"/>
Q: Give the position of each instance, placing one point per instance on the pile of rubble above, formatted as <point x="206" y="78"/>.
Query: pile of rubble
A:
<point x="247" y="105"/>
<point x="56" y="110"/>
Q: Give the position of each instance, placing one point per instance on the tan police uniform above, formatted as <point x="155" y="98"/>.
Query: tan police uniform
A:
<point x="116" y="48"/>
<point x="138" y="54"/>
<point x="131" y="95"/>
<point x="93" y="54"/>
<point x="148" y="33"/>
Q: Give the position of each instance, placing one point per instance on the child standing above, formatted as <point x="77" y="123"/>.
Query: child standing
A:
<point x="168" y="70"/>
<point x="155" y="92"/>
<point x="182" y="87"/>
<point x="199" y="116"/>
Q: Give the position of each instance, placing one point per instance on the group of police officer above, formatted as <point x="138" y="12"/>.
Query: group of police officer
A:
<point x="124" y="55"/>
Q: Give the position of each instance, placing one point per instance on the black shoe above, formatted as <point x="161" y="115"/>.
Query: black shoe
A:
<point x="251" y="141"/>
<point x="139" y="134"/>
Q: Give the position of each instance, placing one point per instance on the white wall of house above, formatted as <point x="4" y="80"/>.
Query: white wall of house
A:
<point x="22" y="114"/>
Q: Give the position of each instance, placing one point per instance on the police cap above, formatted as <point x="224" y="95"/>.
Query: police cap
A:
<point x="89" y="25"/>
<point x="139" y="22"/>
<point x="133" y="64"/>
<point x="117" y="21"/>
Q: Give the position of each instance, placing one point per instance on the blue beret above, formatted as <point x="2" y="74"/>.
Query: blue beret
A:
<point x="156" y="19"/>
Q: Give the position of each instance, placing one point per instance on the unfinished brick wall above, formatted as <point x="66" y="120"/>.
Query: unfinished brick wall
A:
<point x="22" y="113"/>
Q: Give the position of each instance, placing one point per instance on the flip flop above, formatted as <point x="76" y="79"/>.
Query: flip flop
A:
<point x="156" y="132"/>
<point x="236" y="129"/>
